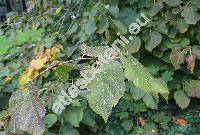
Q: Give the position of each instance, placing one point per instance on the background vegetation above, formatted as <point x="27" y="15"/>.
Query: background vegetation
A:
<point x="43" y="46"/>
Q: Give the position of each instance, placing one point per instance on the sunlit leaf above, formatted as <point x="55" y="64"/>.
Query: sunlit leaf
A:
<point x="141" y="78"/>
<point x="106" y="89"/>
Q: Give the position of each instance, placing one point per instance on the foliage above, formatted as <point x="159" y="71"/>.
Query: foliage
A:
<point x="106" y="89"/>
<point x="27" y="110"/>
<point x="42" y="55"/>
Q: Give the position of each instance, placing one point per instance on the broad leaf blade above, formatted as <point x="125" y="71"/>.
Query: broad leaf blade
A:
<point x="191" y="16"/>
<point x="135" y="71"/>
<point x="27" y="110"/>
<point x="153" y="41"/>
<point x="173" y="3"/>
<point x="106" y="89"/>
<point x="193" y="88"/>
<point x="151" y="100"/>
<point x="182" y="100"/>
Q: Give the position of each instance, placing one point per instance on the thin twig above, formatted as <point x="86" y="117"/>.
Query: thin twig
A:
<point x="58" y="63"/>
<point x="62" y="18"/>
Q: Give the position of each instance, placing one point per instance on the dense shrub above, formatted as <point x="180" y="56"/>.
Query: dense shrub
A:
<point x="94" y="67"/>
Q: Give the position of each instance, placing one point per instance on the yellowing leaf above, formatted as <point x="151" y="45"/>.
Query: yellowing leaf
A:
<point x="37" y="64"/>
<point x="177" y="56"/>
<point x="27" y="75"/>
<point x="23" y="80"/>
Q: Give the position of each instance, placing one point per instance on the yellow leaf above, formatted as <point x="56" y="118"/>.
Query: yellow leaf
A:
<point x="23" y="80"/>
<point x="27" y="76"/>
<point x="37" y="64"/>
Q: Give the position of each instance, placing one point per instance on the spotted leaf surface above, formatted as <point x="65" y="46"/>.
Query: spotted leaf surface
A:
<point x="27" y="110"/>
<point x="106" y="89"/>
<point x="135" y="71"/>
<point x="93" y="51"/>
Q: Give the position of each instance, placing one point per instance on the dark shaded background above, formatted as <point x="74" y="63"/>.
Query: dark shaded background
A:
<point x="11" y="5"/>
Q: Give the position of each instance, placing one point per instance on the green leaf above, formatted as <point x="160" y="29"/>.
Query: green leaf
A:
<point x="192" y="88"/>
<point x="69" y="131"/>
<point x="106" y="89"/>
<point x="120" y="27"/>
<point x="151" y="100"/>
<point x="196" y="51"/>
<point x="102" y="25"/>
<point x="4" y="72"/>
<point x="181" y="99"/>
<point x="113" y="7"/>
<point x="135" y="92"/>
<point x="182" y="26"/>
<point x="4" y="102"/>
<point x="25" y="36"/>
<point x="167" y="76"/>
<point x="150" y="128"/>
<point x="161" y="118"/>
<point x="89" y="119"/>
<point x="20" y="38"/>
<point x="58" y="10"/>
<point x="128" y="15"/>
<point x="184" y="42"/>
<point x="155" y="8"/>
<point x="173" y="3"/>
<point x="73" y="116"/>
<point x="141" y="78"/>
<point x="73" y="29"/>
<point x="4" y="45"/>
<point x="90" y="26"/>
<point x="162" y="28"/>
<point x="48" y="133"/>
<point x="62" y="72"/>
<point x="153" y="41"/>
<point x="93" y="51"/>
<point x="191" y="16"/>
<point x="50" y="119"/>
<point x="127" y="125"/>
<point x="134" y="45"/>
<point x="3" y="115"/>
<point x="27" y="110"/>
